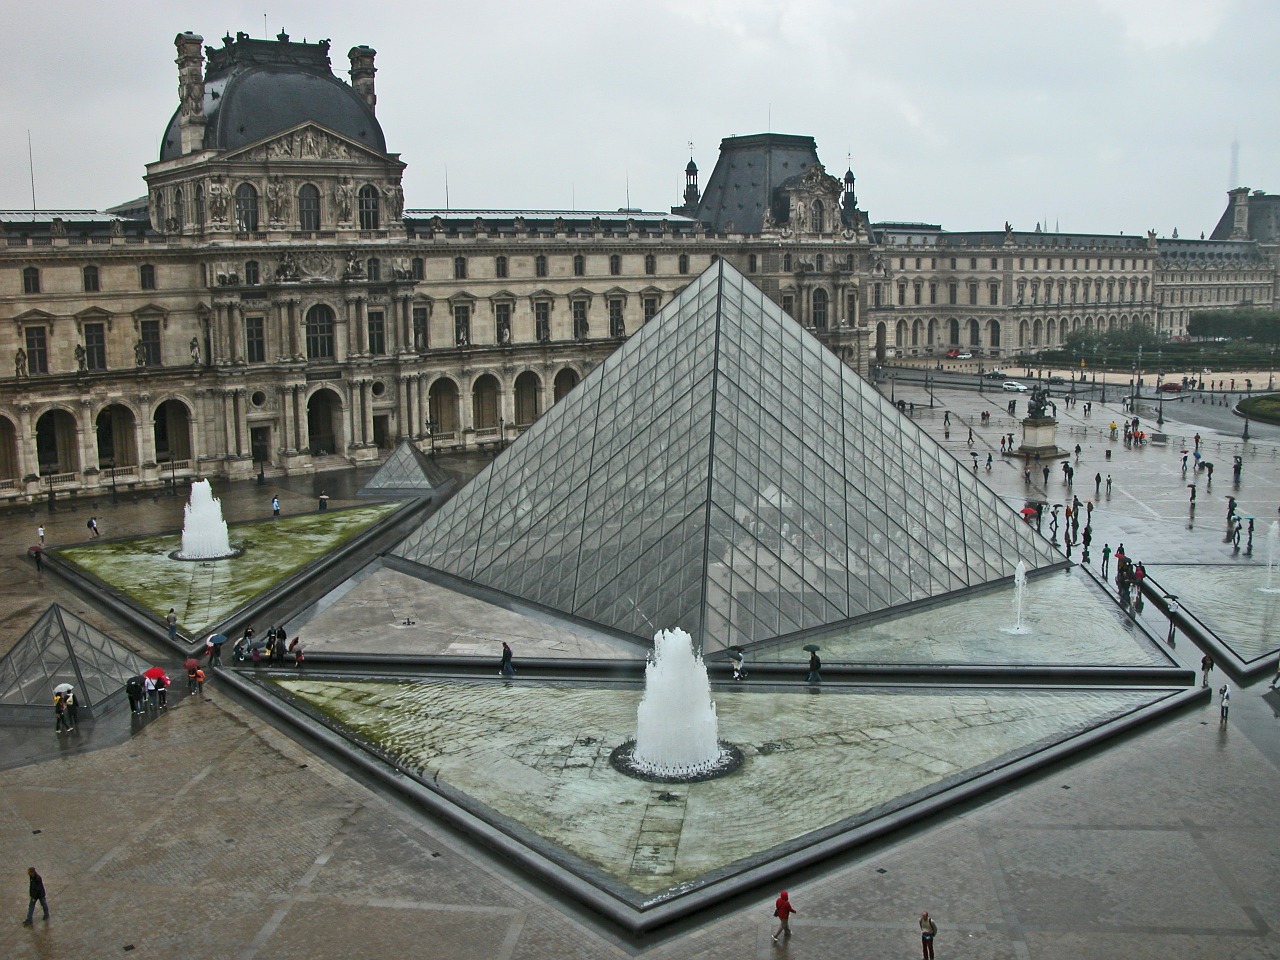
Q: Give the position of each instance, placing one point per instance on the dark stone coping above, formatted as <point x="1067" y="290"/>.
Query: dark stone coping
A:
<point x="1240" y="670"/>
<point x="639" y="916"/>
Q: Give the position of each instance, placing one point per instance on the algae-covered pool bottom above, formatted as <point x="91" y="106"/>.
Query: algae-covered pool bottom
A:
<point x="537" y="754"/>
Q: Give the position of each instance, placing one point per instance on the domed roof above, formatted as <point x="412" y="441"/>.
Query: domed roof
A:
<point x="256" y="88"/>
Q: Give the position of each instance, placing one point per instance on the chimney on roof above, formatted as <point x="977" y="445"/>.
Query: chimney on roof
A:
<point x="362" y="71"/>
<point x="1240" y="207"/>
<point x="191" y="118"/>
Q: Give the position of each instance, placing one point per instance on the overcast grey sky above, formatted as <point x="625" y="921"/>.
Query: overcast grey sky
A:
<point x="1109" y="115"/>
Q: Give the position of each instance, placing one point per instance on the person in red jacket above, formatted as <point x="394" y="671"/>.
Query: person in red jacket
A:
<point x="782" y="909"/>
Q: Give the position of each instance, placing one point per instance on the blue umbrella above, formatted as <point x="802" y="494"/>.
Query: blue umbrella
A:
<point x="218" y="639"/>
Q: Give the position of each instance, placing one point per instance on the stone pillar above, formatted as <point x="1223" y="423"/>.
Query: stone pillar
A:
<point x="366" y="395"/>
<point x="294" y="323"/>
<point x="403" y="398"/>
<point x="198" y="428"/>
<point x="217" y="350"/>
<point x="300" y="419"/>
<point x="406" y="324"/>
<point x="362" y="327"/>
<point x="145" y="431"/>
<point x="242" y="422"/>
<point x="229" y="422"/>
<point x="191" y="117"/>
<point x="28" y="462"/>
<point x="86" y="437"/>
<point x="285" y="395"/>
<point x="1240" y="211"/>
<point x="362" y="73"/>
<point x="235" y="332"/>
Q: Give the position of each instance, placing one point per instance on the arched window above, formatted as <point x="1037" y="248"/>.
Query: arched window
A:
<point x="200" y="206"/>
<point x="682" y="265"/>
<point x="246" y="208"/>
<point x="819" y="217"/>
<point x="500" y="266"/>
<point x="319" y="328"/>
<point x="179" y="210"/>
<point x="459" y="268"/>
<point x="308" y="208"/>
<point x="373" y="270"/>
<point x="540" y="266"/>
<point x="786" y="262"/>
<point x="579" y="265"/>
<point x="369" y="210"/>
<point x="822" y="263"/>
<point x="820" y="309"/>
<point x="90" y="279"/>
<point x="615" y="265"/>
<point x="650" y="264"/>
<point x="252" y="275"/>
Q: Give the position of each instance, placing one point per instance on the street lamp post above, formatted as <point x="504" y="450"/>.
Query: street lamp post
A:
<point x="431" y="432"/>
<point x="111" y="469"/>
<point x="893" y="398"/>
<point x="173" y="477"/>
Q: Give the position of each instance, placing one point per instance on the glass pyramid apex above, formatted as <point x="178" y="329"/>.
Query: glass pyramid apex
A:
<point x="724" y="472"/>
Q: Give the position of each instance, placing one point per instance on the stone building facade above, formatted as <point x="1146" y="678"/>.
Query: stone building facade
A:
<point x="272" y="304"/>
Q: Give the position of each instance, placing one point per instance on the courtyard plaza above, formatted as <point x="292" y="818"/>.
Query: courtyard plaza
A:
<point x="208" y="832"/>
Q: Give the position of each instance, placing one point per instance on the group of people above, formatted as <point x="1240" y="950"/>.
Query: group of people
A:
<point x="784" y="910"/>
<point x="147" y="692"/>
<point x="275" y="648"/>
<point x="66" y="711"/>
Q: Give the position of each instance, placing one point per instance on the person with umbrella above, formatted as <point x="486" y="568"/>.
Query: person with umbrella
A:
<point x="157" y="686"/>
<point x="815" y="664"/>
<point x="192" y="666"/>
<point x="72" y="704"/>
<point x="60" y="724"/>
<point x="215" y="649"/>
<point x="738" y="658"/>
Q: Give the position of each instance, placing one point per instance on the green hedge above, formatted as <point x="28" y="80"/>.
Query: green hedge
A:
<point x="1265" y="408"/>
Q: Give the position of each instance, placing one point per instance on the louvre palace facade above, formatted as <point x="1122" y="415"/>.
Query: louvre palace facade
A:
<point x="273" y="303"/>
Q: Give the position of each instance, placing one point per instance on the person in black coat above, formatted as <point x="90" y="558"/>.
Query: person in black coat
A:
<point x="36" y="891"/>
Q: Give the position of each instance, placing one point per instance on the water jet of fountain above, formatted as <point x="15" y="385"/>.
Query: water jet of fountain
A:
<point x="204" y="532"/>
<point x="1273" y="554"/>
<point x="1019" y="592"/>
<point x="676" y="724"/>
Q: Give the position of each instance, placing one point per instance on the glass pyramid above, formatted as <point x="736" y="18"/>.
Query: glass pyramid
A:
<point x="408" y="472"/>
<point x="61" y="648"/>
<point x="725" y="473"/>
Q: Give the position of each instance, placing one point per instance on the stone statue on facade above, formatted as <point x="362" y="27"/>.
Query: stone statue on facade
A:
<point x="139" y="354"/>
<point x="354" y="267"/>
<point x="82" y="358"/>
<point x="288" y="267"/>
<point x="342" y="197"/>
<point x="195" y="352"/>
<point x="217" y="192"/>
<point x="277" y="200"/>
<point x="394" y="194"/>
<point x="20" y="364"/>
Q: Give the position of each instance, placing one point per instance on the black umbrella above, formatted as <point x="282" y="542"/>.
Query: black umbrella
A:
<point x="812" y="647"/>
<point x="736" y="649"/>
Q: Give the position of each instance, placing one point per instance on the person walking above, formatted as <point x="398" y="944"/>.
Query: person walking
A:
<point x="172" y="620"/>
<point x="199" y="681"/>
<point x="928" y="930"/>
<point x="988" y="463"/>
<point x="1206" y="668"/>
<point x="38" y="556"/>
<point x="35" y="890"/>
<point x="1106" y="559"/>
<point x="1276" y="678"/>
<point x="275" y="506"/>
<point x="739" y="660"/>
<point x="1097" y="484"/>
<point x="324" y="501"/>
<point x="40" y="533"/>
<point x="133" y="688"/>
<point x="507" y="670"/>
<point x="815" y="667"/>
<point x="1224" y="701"/>
<point x="782" y="909"/>
<point x="1045" y="471"/>
<point x="93" y="527"/>
<point x="1108" y="484"/>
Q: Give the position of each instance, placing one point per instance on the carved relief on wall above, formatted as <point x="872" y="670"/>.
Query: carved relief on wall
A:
<point x="309" y="143"/>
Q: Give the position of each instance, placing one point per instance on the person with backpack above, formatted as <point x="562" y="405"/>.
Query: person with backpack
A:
<point x="928" y="930"/>
<point x="133" y="688"/>
<point x="60" y="724"/>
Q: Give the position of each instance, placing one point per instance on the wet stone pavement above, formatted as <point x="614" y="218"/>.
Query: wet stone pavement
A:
<point x="208" y="833"/>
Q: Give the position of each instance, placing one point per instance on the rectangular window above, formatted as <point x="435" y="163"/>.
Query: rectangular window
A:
<point x="617" y="327"/>
<point x="30" y="280"/>
<point x="90" y="279"/>
<point x="255" y="339"/>
<point x="37" y="350"/>
<point x="147" y="276"/>
<point x="542" y="321"/>
<point x="876" y="295"/>
<point x="150" y="339"/>
<point x="419" y="328"/>
<point x="789" y="303"/>
<point x="650" y="308"/>
<point x="377" y="332"/>
<point x="952" y="292"/>
<point x="918" y="293"/>
<point x="993" y="292"/>
<point x="995" y="263"/>
<point x="973" y="263"/>
<point x="581" y="329"/>
<point x="933" y="293"/>
<point x="502" y="318"/>
<point x="973" y="292"/>
<point x="462" y="324"/>
<point x="902" y="294"/>
<point x="95" y="346"/>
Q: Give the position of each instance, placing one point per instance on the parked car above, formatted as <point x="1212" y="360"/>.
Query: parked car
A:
<point x="964" y="356"/>
<point x="1013" y="386"/>
<point x="1172" y="387"/>
<point x="953" y="353"/>
<point x="1055" y="379"/>
<point x="995" y="374"/>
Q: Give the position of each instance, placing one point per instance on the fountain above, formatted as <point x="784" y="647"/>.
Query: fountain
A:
<point x="676" y="724"/>
<point x="204" y="532"/>
<point x="1273" y="555"/>
<point x="1019" y="592"/>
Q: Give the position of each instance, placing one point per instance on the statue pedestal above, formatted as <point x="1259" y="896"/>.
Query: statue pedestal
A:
<point x="1039" y="438"/>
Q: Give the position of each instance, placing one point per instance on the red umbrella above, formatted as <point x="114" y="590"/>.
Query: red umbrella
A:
<point x="155" y="673"/>
<point x="191" y="663"/>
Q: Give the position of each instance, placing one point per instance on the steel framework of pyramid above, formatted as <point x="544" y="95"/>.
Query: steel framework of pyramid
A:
<point x="61" y="648"/>
<point x="408" y="472"/>
<point x="724" y="472"/>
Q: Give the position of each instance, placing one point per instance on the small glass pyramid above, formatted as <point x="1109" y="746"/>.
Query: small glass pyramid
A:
<point x="407" y="473"/>
<point x="61" y="648"/>
<point x="724" y="472"/>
